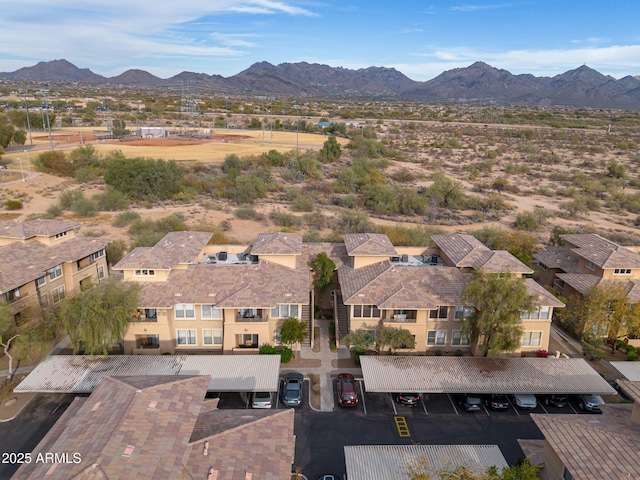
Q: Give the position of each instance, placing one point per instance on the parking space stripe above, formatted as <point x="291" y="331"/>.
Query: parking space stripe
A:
<point x="424" y="404"/>
<point x="393" y="404"/>
<point x="402" y="426"/>
<point x="453" y="404"/>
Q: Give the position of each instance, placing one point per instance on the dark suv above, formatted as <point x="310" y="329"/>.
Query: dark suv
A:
<point x="292" y="391"/>
<point x="556" y="400"/>
<point x="409" y="399"/>
<point x="470" y="403"/>
<point x="497" y="401"/>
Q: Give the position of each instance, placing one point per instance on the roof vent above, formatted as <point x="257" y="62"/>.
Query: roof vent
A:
<point x="152" y="405"/>
<point x="205" y="450"/>
<point x="96" y="406"/>
<point x="128" y="451"/>
<point x="213" y="474"/>
<point x="177" y="294"/>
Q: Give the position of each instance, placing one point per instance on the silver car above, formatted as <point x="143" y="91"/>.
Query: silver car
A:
<point x="262" y="400"/>
<point x="525" y="400"/>
<point x="590" y="403"/>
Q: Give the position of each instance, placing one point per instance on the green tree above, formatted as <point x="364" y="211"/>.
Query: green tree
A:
<point x="448" y="193"/>
<point x="97" y="318"/>
<point x="499" y="300"/>
<point x="293" y="331"/>
<point x="330" y="151"/>
<point x="393" y="338"/>
<point x="144" y="178"/>
<point x="6" y="135"/>
<point x="323" y="268"/>
<point x="359" y="339"/>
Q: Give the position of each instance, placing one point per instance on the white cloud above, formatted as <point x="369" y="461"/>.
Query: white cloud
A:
<point x="474" y="8"/>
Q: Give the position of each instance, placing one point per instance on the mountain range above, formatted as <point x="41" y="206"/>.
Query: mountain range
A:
<point x="479" y="82"/>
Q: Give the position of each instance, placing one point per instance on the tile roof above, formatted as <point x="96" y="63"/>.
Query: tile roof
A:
<point x="133" y="427"/>
<point x="335" y="251"/>
<point x="480" y="375"/>
<point x="277" y="244"/>
<point x="604" y="447"/>
<point x="602" y="252"/>
<point x="389" y="462"/>
<point x="390" y="286"/>
<point x="265" y="284"/>
<point x="175" y="248"/>
<point x="583" y="282"/>
<point x="632" y="389"/>
<point x="35" y="228"/>
<point x="21" y="263"/>
<point x="558" y="257"/>
<point x="369" y="244"/>
<point x="467" y="251"/>
<point x="541" y="294"/>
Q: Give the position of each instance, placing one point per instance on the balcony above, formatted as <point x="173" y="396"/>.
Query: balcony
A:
<point x="147" y="315"/>
<point x="255" y="318"/>
<point x="409" y="317"/>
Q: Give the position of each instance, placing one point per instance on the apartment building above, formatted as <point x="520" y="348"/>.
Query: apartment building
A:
<point x="215" y="298"/>
<point x="233" y="298"/>
<point x="421" y="289"/>
<point x="43" y="261"/>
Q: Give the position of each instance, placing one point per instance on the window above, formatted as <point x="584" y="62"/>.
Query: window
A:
<point x="60" y="235"/>
<point x="97" y="255"/>
<point x="531" y="339"/>
<point x="210" y="311"/>
<point x="539" y="313"/>
<point x="436" y="337"/>
<point x="366" y="311"/>
<point x="463" y="312"/>
<point x="40" y="281"/>
<point x="460" y="338"/>
<point x="566" y="474"/>
<point x="100" y="272"/>
<point x="440" y="312"/>
<point x="12" y="295"/>
<point x="145" y="273"/>
<point x="622" y="271"/>
<point x="247" y="340"/>
<point x="212" y="336"/>
<point x="542" y="266"/>
<point x="185" y="310"/>
<point x="153" y="340"/>
<point x="590" y="265"/>
<point x="57" y="294"/>
<point x="55" y="272"/>
<point x="249" y="312"/>
<point x="284" y="310"/>
<point x="186" y="337"/>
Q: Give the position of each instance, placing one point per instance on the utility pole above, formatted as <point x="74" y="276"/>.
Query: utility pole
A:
<point x="26" y="104"/>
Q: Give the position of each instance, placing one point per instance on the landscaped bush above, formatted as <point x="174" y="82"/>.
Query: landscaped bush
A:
<point x="286" y="354"/>
<point x="632" y="356"/>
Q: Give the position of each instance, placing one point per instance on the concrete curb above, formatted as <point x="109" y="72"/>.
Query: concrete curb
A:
<point x="4" y="420"/>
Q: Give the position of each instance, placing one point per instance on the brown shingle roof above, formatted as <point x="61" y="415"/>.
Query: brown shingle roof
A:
<point x="602" y="449"/>
<point x="558" y="257"/>
<point x="335" y="251"/>
<point x="277" y="244"/>
<point x="582" y="282"/>
<point x="541" y="295"/>
<point x="266" y="284"/>
<point x="175" y="248"/>
<point x="35" y="228"/>
<point x="21" y="263"/>
<point x="369" y="244"/>
<point x="458" y="246"/>
<point x="142" y="427"/>
<point x="602" y="252"/>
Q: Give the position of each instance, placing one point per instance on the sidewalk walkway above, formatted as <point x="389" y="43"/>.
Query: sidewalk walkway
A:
<point x="329" y="365"/>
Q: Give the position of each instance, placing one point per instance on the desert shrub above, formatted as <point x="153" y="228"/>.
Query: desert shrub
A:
<point x="403" y="175"/>
<point x="54" y="211"/>
<point x="349" y="201"/>
<point x="144" y="179"/>
<point x="446" y="192"/>
<point x="355" y="221"/>
<point x="330" y="151"/>
<point x="69" y="197"/>
<point x="245" y="213"/>
<point x="526" y="221"/>
<point x="88" y="174"/>
<point x="273" y="158"/>
<point x="13" y="204"/>
<point x="111" y="200"/>
<point x="146" y="233"/>
<point x="409" y="236"/>
<point x="303" y="203"/>
<point x="308" y="166"/>
<point x="247" y="189"/>
<point x="125" y="218"/>
<point x="84" y="207"/>
<point x="54" y="162"/>
<point x="517" y="168"/>
<point x="284" y="219"/>
<point x="492" y="154"/>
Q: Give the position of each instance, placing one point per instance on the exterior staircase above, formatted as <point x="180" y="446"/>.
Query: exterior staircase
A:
<point x="342" y="317"/>
<point x="306" y="317"/>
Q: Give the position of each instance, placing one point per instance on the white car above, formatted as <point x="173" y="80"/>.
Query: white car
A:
<point x="525" y="400"/>
<point x="262" y="400"/>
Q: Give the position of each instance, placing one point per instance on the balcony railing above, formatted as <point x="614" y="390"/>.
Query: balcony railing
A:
<point x="256" y="318"/>
<point x="144" y="318"/>
<point x="400" y="318"/>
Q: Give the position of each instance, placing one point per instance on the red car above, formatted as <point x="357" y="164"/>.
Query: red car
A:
<point x="347" y="396"/>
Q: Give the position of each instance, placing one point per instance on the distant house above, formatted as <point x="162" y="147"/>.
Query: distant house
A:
<point x="161" y="427"/>
<point x="43" y="261"/>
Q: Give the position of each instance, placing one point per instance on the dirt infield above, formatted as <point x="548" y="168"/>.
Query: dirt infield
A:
<point x="161" y="142"/>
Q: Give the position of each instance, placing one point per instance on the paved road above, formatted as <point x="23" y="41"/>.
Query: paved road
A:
<point x="22" y="434"/>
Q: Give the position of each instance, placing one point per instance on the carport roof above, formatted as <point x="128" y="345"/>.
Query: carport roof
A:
<point x="631" y="370"/>
<point x="82" y="374"/>
<point x="481" y="375"/>
<point x="390" y="462"/>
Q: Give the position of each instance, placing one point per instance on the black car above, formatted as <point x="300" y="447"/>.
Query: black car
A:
<point x="409" y="399"/>
<point x="470" y="403"/>
<point x="556" y="400"/>
<point x="496" y="401"/>
<point x="292" y="391"/>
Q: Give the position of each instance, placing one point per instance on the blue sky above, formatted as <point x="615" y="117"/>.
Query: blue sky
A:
<point x="419" y="38"/>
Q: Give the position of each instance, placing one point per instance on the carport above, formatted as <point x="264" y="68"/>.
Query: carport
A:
<point x="83" y="373"/>
<point x="479" y="375"/>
